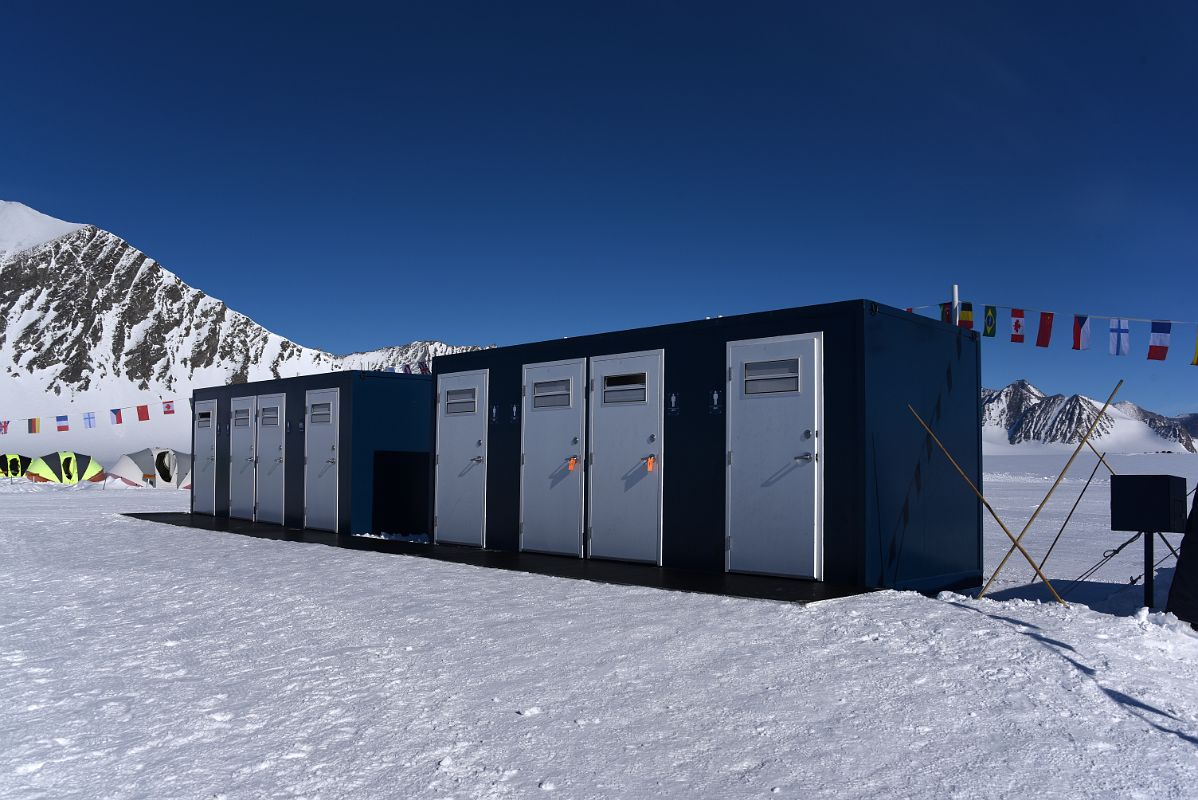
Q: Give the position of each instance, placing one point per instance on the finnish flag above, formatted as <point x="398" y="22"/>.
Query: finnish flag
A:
<point x="1120" y="337"/>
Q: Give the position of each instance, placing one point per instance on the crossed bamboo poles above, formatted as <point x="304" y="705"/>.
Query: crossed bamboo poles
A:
<point x="1016" y="541"/>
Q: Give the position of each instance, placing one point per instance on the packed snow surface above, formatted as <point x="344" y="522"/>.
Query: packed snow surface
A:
<point x="146" y="660"/>
<point x="21" y="228"/>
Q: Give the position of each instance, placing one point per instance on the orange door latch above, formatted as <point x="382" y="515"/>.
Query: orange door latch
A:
<point x="649" y="462"/>
<point x="573" y="462"/>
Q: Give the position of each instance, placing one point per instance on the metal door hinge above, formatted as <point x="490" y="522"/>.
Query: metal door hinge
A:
<point x="727" y="544"/>
<point x="521" y="528"/>
<point x="592" y="384"/>
<point x="437" y="460"/>
<point x="729" y="374"/>
<point x="729" y="458"/>
<point x="521" y="459"/>
<point x="434" y="520"/>
<point x="524" y="391"/>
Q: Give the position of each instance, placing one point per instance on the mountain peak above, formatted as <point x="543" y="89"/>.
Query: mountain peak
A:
<point x="23" y="228"/>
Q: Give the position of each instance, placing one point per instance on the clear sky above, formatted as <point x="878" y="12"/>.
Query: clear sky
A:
<point x="354" y="175"/>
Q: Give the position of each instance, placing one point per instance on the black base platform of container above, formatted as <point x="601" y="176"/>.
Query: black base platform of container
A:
<point x="616" y="572"/>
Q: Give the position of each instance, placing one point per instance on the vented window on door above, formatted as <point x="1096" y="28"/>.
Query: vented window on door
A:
<point x="772" y="377"/>
<point x="460" y="401"/>
<point x="551" y="394"/>
<point x="241" y="418"/>
<point x="269" y="417"/>
<point x="624" y="388"/>
<point x="322" y="413"/>
<point x="204" y="419"/>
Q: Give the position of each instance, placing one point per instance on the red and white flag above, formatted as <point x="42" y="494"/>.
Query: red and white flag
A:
<point x="1045" y="331"/>
<point x="1158" y="340"/>
<point x="115" y="417"/>
<point x="1017" y="325"/>
<point x="1081" y="332"/>
<point x="143" y="413"/>
<point x="168" y="407"/>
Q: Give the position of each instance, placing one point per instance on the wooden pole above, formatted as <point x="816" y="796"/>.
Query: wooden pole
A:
<point x="1053" y="488"/>
<point x="986" y="503"/>
<point x="1101" y="457"/>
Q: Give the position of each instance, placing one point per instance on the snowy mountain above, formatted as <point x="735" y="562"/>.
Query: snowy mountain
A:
<point x="88" y="322"/>
<point x="1022" y="414"/>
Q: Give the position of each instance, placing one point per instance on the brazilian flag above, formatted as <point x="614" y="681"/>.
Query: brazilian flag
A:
<point x="990" y="321"/>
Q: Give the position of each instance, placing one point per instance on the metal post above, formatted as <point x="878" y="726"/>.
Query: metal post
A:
<point x="1149" y="593"/>
<point x="956" y="305"/>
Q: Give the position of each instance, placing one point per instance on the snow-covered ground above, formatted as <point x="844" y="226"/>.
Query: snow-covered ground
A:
<point x="145" y="660"/>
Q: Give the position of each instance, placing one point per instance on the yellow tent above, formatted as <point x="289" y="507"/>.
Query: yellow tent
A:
<point x="66" y="468"/>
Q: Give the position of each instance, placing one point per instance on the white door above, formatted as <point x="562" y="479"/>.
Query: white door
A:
<point x="242" y="458"/>
<point x="626" y="456"/>
<point x="553" y="449"/>
<point x="774" y="472"/>
<point x="321" y="424"/>
<point x="461" y="492"/>
<point x="272" y="422"/>
<point x="203" y="478"/>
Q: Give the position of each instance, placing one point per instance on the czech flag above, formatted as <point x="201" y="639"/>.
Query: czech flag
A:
<point x="1017" y="325"/>
<point x="1158" y="340"/>
<point x="1045" y="332"/>
<point x="114" y="416"/>
<point x="62" y="423"/>
<point x="143" y="413"/>
<point x="1081" y="333"/>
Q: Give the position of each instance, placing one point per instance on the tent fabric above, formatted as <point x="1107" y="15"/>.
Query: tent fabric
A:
<point x="156" y="467"/>
<point x="1183" y="594"/>
<point x="65" y="467"/>
<point x="129" y="471"/>
<point x="14" y="465"/>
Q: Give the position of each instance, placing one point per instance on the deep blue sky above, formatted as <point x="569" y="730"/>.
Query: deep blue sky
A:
<point x="355" y="175"/>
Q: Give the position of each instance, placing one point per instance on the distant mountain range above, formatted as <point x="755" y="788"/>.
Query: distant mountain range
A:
<point x="1022" y="414"/>
<point x="88" y="322"/>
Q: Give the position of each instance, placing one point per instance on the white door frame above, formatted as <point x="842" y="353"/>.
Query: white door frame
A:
<point x="483" y="406"/>
<point x="592" y="403"/>
<point x="336" y="421"/>
<point x="818" y="445"/>
<point x="580" y="392"/>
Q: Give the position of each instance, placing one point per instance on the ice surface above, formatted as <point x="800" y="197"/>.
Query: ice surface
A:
<point x="145" y="660"/>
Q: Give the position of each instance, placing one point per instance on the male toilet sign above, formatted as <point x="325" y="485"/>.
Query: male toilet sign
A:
<point x="714" y="405"/>
<point x="672" y="404"/>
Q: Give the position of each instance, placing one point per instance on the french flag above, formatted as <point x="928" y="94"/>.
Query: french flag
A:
<point x="1158" y="340"/>
<point x="63" y="425"/>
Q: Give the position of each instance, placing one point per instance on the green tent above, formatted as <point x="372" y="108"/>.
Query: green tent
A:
<point x="14" y="465"/>
<point x="68" y="468"/>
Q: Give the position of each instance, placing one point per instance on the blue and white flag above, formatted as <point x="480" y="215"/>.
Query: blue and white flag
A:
<point x="89" y="419"/>
<point x="1120" y="337"/>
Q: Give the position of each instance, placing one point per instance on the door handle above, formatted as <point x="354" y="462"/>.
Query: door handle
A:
<point x="650" y="461"/>
<point x="477" y="459"/>
<point x="805" y="457"/>
<point x="330" y="461"/>
<point x="251" y="458"/>
<point x="571" y="463"/>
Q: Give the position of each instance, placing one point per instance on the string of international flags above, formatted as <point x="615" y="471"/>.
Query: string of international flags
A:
<point x="1159" y="336"/>
<point x="117" y="416"/>
<point x="62" y="422"/>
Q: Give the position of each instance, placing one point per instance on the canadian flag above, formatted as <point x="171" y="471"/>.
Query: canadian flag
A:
<point x="1017" y="325"/>
<point x="168" y="407"/>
